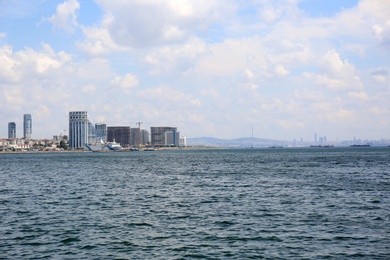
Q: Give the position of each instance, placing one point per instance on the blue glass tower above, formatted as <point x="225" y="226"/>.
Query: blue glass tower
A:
<point x="11" y="130"/>
<point x="27" y="126"/>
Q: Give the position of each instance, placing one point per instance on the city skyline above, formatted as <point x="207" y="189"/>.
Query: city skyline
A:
<point x="286" y="69"/>
<point x="102" y="134"/>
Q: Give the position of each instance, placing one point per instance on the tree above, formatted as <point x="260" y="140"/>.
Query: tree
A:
<point x="63" y="145"/>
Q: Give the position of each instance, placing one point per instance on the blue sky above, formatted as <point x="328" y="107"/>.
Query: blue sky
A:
<point x="289" y="68"/>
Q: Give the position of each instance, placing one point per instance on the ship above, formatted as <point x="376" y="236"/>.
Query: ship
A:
<point x="114" y="146"/>
<point x="360" y="145"/>
<point x="96" y="147"/>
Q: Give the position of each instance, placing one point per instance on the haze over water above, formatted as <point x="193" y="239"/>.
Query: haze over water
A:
<point x="185" y="204"/>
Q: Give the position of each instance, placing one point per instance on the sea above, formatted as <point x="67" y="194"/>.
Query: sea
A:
<point x="290" y="203"/>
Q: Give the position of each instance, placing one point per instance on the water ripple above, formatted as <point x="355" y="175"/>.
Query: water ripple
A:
<point x="217" y="204"/>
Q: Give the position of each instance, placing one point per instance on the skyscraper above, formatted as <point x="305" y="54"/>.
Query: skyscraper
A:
<point x="27" y="126"/>
<point x="11" y="130"/>
<point x="101" y="131"/>
<point x="78" y="129"/>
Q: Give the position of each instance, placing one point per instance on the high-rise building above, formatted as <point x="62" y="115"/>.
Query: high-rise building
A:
<point x="158" y="134"/>
<point x="172" y="138"/>
<point x="144" y="137"/>
<point x="101" y="131"/>
<point x="27" y="126"/>
<point x="78" y="129"/>
<point x="11" y="130"/>
<point x="91" y="133"/>
<point x="183" y="141"/>
<point x="119" y="134"/>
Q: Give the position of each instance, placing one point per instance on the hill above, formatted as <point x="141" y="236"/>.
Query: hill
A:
<point x="239" y="142"/>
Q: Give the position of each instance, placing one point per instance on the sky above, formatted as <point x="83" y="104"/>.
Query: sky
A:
<point x="284" y="69"/>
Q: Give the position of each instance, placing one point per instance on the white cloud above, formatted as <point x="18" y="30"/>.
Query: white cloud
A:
<point x="216" y="63"/>
<point x="331" y="64"/>
<point x="281" y="71"/>
<point x="125" y="82"/>
<point x="21" y="65"/>
<point x="65" y="16"/>
<point x="98" y="40"/>
<point x="176" y="58"/>
<point x="155" y="23"/>
<point x="336" y="74"/>
<point x="250" y="86"/>
<point x="358" y="96"/>
<point x="230" y="57"/>
<point x="89" y="89"/>
<point x="168" y="97"/>
<point x="381" y="75"/>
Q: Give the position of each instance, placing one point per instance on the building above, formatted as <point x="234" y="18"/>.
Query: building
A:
<point x="78" y="129"/>
<point x="11" y="130"/>
<point x="172" y="138"/>
<point x="183" y="141"/>
<point x="27" y="126"/>
<point x="101" y="131"/>
<point x="158" y="135"/>
<point x="144" y="137"/>
<point x="139" y="137"/>
<point x="119" y="134"/>
<point x="135" y="137"/>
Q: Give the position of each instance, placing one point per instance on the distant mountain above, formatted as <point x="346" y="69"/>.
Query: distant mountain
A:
<point x="239" y="142"/>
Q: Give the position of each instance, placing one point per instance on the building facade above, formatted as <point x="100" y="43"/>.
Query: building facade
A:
<point x="172" y="138"/>
<point x="101" y="131"/>
<point x="11" y="130"/>
<point x="119" y="134"/>
<point x="144" y="137"/>
<point x="158" y="134"/>
<point x="27" y="126"/>
<point x="183" y="141"/>
<point x="78" y="129"/>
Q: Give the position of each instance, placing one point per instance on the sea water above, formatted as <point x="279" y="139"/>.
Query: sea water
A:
<point x="197" y="204"/>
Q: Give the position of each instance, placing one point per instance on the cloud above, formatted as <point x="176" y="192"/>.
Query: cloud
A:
<point x="281" y="71"/>
<point x="141" y="24"/>
<point x="250" y="86"/>
<point x="89" y="89"/>
<point x="98" y="40"/>
<point x="125" y="82"/>
<point x="216" y="63"/>
<point x="21" y="65"/>
<point x="358" y="96"/>
<point x="176" y="58"/>
<point x="337" y="74"/>
<point x="332" y="65"/>
<point x="65" y="16"/>
<point x="381" y="75"/>
<point x="169" y="97"/>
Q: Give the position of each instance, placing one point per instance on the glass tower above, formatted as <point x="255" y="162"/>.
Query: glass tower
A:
<point x="78" y="129"/>
<point x="101" y="132"/>
<point x="11" y="130"/>
<point x="27" y="126"/>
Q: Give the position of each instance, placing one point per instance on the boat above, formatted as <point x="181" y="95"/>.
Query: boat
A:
<point x="360" y="145"/>
<point x="133" y="149"/>
<point x="96" y="147"/>
<point x="275" y="146"/>
<point x="149" y="149"/>
<point x="114" y="146"/>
